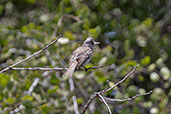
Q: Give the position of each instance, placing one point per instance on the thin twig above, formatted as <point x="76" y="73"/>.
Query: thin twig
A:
<point x="130" y="73"/>
<point x="48" y="69"/>
<point x="88" y="103"/>
<point x="40" y="68"/>
<point x="60" y="20"/>
<point x="127" y="99"/>
<point x="105" y="104"/>
<point x="33" y="85"/>
<point x="21" y="106"/>
<point x="73" y="17"/>
<point x="27" y="58"/>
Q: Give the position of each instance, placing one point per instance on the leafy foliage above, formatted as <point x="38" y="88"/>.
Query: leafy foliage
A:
<point x="130" y="32"/>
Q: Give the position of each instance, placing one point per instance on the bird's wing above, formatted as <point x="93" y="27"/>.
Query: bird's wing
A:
<point x="81" y="55"/>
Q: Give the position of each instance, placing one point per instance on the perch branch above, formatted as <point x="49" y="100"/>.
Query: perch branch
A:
<point x="48" y="69"/>
<point x="39" y="68"/>
<point x="27" y="58"/>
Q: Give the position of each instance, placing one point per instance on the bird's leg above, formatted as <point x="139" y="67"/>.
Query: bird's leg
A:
<point x="86" y="69"/>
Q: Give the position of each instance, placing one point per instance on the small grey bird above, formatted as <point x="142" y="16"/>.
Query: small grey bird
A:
<point x="81" y="56"/>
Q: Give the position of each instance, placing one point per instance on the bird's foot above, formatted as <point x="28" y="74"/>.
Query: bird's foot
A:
<point x="86" y="69"/>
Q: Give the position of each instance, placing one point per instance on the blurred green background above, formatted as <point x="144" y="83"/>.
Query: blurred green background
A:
<point x="131" y="32"/>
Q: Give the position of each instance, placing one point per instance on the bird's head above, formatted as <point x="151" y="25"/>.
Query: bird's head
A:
<point x="90" y="42"/>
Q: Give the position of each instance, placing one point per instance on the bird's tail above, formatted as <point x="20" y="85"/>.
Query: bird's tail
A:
<point x="71" y="69"/>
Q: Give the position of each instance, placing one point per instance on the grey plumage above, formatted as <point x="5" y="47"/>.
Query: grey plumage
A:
<point x="81" y="56"/>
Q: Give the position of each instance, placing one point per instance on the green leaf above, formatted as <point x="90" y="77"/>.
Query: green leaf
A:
<point x="141" y="78"/>
<point x="79" y="100"/>
<point x="127" y="45"/>
<point x="53" y="90"/>
<point x="4" y="79"/>
<point x="69" y="35"/>
<point x="86" y="24"/>
<point x="27" y="98"/>
<point x="146" y="60"/>
<point x="148" y="22"/>
<point x="132" y="90"/>
<point x="131" y="63"/>
<point x="94" y="32"/>
<point x="1" y="8"/>
<point x="27" y="83"/>
<point x="10" y="100"/>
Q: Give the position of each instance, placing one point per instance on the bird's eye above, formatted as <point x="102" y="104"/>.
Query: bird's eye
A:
<point x="92" y="42"/>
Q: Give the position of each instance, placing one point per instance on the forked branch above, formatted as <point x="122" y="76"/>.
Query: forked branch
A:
<point x="100" y="93"/>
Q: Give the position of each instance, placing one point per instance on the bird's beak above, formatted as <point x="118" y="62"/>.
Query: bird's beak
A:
<point x="96" y="43"/>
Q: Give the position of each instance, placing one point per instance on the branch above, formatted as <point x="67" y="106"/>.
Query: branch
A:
<point x="73" y="17"/>
<point x="48" y="69"/>
<point x="17" y="109"/>
<point x="106" y="90"/>
<point x="27" y="58"/>
<point x="60" y="20"/>
<point x="127" y="99"/>
<point x="33" y="85"/>
<point x="40" y="68"/>
<point x="88" y="103"/>
<point x="105" y="104"/>
<point x="129" y="74"/>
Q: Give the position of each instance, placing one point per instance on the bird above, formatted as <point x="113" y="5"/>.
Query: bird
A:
<point x="81" y="56"/>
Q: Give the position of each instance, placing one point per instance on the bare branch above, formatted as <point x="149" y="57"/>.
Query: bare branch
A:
<point x="71" y="84"/>
<point x="17" y="109"/>
<point x="130" y="73"/>
<point x="60" y="20"/>
<point x="40" y="68"/>
<point x="27" y="58"/>
<point x="73" y="17"/>
<point x="74" y="98"/>
<point x="105" y="104"/>
<point x="127" y="99"/>
<point x="106" y="90"/>
<point x="33" y="85"/>
<point x="48" y="69"/>
<point x="88" y="103"/>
